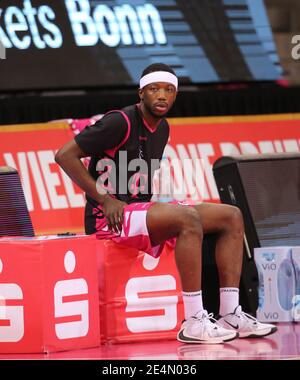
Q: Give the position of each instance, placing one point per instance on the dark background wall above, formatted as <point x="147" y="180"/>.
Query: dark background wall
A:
<point x="239" y="99"/>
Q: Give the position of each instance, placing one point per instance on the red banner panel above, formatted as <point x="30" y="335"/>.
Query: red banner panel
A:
<point x="140" y="296"/>
<point x="75" y="292"/>
<point x="54" y="202"/>
<point x="48" y="294"/>
<point x="200" y="141"/>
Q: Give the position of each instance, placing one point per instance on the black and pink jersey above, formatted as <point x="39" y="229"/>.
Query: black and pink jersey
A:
<point x="125" y="152"/>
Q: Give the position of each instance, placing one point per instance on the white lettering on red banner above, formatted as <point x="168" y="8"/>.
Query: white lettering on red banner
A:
<point x="11" y="316"/>
<point x="39" y="169"/>
<point x="65" y="309"/>
<point x="168" y="304"/>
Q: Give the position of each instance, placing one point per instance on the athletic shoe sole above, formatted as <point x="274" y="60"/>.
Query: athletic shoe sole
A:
<point x="258" y="334"/>
<point x="187" y="339"/>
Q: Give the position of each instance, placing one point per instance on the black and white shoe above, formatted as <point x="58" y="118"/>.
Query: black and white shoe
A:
<point x="202" y="328"/>
<point x="246" y="325"/>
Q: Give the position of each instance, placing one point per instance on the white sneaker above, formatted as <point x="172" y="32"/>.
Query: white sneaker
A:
<point x="203" y="328"/>
<point x="246" y="325"/>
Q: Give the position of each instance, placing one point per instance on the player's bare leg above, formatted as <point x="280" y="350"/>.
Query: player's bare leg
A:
<point x="227" y="222"/>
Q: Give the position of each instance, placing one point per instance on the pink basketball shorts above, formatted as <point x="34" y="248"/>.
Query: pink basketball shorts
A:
<point x="134" y="232"/>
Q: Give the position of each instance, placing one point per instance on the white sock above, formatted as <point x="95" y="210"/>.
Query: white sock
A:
<point x="229" y="300"/>
<point x="192" y="302"/>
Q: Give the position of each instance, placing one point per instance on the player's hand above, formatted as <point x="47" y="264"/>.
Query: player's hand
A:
<point x="113" y="210"/>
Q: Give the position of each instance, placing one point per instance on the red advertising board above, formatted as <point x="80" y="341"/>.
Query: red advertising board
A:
<point x="75" y="292"/>
<point x="210" y="138"/>
<point x="48" y="294"/>
<point x="56" y="204"/>
<point x="140" y="296"/>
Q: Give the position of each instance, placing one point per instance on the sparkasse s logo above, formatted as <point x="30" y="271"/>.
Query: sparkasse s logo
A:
<point x="11" y="311"/>
<point x="91" y="22"/>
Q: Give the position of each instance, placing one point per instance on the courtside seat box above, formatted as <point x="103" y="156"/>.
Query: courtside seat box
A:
<point x="140" y="296"/>
<point x="48" y="294"/>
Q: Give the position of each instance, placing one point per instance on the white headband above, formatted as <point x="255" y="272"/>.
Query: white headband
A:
<point x="159" y="76"/>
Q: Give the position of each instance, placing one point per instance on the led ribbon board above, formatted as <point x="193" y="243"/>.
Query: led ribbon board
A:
<point x="84" y="43"/>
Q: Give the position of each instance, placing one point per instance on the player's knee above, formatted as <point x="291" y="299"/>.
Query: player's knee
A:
<point x="236" y="221"/>
<point x="191" y="221"/>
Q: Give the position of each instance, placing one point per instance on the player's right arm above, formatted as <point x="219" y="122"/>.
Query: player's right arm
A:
<point x="94" y="140"/>
<point x="69" y="158"/>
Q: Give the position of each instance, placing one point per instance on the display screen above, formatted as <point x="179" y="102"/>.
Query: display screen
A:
<point x="273" y="192"/>
<point x="47" y="44"/>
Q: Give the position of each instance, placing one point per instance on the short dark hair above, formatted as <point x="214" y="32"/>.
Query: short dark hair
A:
<point x="157" y="67"/>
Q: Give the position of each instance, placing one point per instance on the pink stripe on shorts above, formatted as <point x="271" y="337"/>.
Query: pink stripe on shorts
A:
<point x="134" y="232"/>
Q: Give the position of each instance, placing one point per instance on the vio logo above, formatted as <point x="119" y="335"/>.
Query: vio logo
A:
<point x="167" y="320"/>
<point x="11" y="312"/>
<point x="71" y="306"/>
<point x="271" y="315"/>
<point x="269" y="266"/>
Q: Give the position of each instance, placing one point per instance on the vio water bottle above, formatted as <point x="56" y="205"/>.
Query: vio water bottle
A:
<point x="276" y="283"/>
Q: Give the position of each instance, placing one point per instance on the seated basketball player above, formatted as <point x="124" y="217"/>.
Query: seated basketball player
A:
<point x="123" y="145"/>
